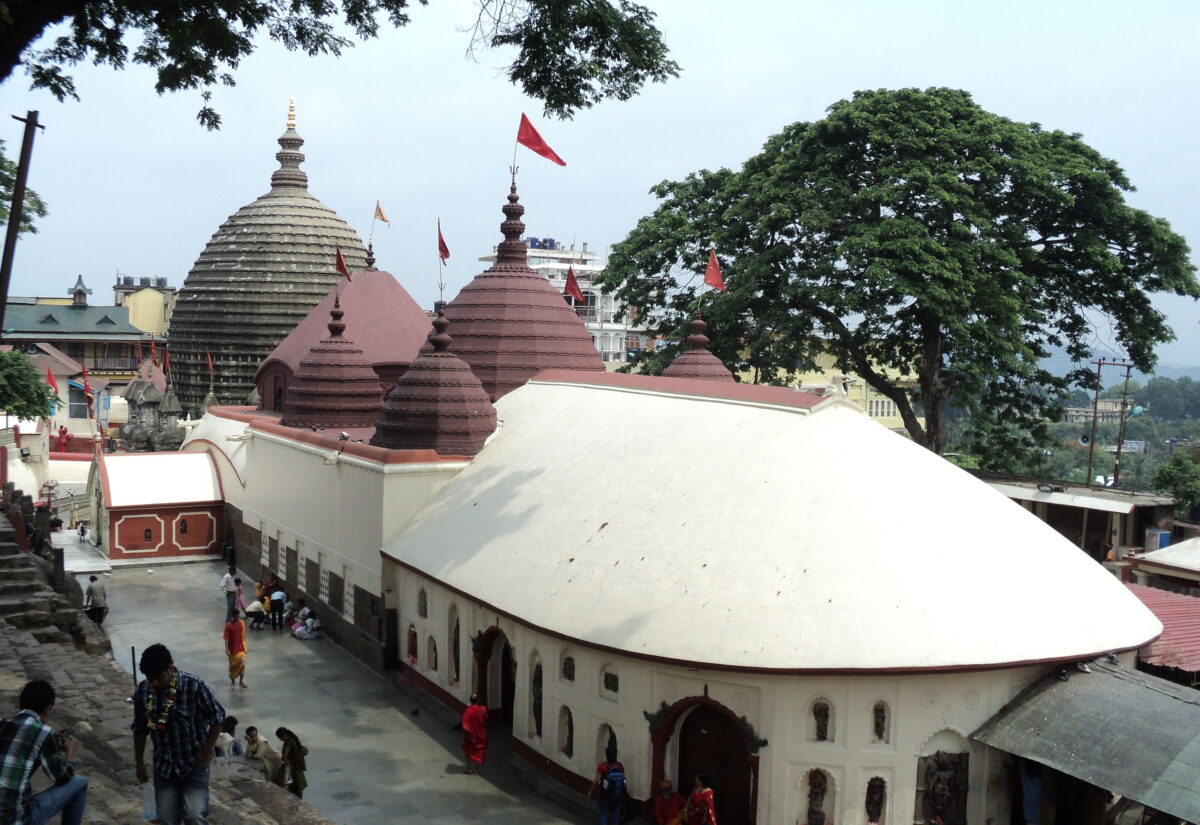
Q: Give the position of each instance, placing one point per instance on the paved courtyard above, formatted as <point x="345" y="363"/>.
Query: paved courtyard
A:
<point x="371" y="761"/>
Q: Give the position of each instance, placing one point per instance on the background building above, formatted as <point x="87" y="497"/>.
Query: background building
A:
<point x="149" y="300"/>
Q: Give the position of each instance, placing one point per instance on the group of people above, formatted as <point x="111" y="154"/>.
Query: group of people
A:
<point x="270" y="604"/>
<point x="614" y="805"/>
<point x="285" y="769"/>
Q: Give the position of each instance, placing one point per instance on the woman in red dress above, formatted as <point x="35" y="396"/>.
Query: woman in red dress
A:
<point x="700" y="809"/>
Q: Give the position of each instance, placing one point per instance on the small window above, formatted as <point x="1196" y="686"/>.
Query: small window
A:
<point x="422" y="604"/>
<point x="412" y="646"/>
<point x="431" y="661"/>
<point x="612" y="683"/>
<point x="148" y="535"/>
<point x="568" y="668"/>
<point x="183" y="526"/>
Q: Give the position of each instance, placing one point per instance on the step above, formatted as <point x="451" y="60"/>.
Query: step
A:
<point x="27" y="618"/>
<point x="9" y="548"/>
<point x="18" y="602"/>
<point x="17" y="559"/>
<point x="10" y="586"/>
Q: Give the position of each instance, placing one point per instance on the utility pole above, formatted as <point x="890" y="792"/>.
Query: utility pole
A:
<point x="18" y="206"/>
<point x="1095" y="413"/>
<point x="1121" y="433"/>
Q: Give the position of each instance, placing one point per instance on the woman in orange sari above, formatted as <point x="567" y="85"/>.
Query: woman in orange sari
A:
<point x="700" y="810"/>
<point x="235" y="649"/>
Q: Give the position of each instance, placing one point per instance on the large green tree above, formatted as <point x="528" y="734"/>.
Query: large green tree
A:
<point x="34" y="206"/>
<point x="571" y="54"/>
<point x="913" y="233"/>
<point x="23" y="391"/>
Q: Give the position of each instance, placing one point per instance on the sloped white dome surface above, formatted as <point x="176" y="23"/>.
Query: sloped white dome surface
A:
<point x="752" y="536"/>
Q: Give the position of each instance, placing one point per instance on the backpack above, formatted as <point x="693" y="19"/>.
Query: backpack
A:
<point x="614" y="781"/>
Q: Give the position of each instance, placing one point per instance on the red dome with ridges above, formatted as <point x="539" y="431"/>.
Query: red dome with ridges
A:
<point x="509" y="323"/>
<point x="698" y="362"/>
<point x="334" y="385"/>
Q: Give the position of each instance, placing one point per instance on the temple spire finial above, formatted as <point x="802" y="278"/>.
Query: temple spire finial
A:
<point x="291" y="117"/>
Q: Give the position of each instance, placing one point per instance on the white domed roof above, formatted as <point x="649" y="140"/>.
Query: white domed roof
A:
<point x="737" y="533"/>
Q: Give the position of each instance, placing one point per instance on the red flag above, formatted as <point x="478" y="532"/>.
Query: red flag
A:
<point x="340" y="266"/>
<point x="166" y="361"/>
<point x="443" y="250"/>
<point x="208" y="355"/>
<point x="50" y="380"/>
<point x="572" y="287"/>
<point x="528" y="137"/>
<point x="152" y="355"/>
<point x="712" y="275"/>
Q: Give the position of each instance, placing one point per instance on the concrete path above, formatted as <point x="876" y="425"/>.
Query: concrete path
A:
<point x="371" y="760"/>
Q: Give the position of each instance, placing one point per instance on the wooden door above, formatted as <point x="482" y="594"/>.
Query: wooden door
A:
<point x="508" y="685"/>
<point x="711" y="743"/>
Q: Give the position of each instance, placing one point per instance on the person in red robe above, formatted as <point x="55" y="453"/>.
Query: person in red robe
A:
<point x="668" y="805"/>
<point x="474" y="725"/>
<point x="700" y="810"/>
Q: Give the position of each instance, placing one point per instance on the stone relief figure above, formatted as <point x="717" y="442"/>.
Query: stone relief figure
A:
<point x="942" y="799"/>
<point x="880" y="722"/>
<point x="536" y="698"/>
<point x="817" y="786"/>
<point x="875" y="791"/>
<point x="821" y="716"/>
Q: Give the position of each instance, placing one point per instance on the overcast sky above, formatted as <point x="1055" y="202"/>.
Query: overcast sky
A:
<point x="134" y="185"/>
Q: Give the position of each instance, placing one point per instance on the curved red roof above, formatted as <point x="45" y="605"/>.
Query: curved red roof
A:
<point x="388" y="325"/>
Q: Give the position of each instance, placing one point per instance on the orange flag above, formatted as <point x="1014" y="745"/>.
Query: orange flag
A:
<point x="528" y="137"/>
<point x="443" y="250"/>
<point x="50" y="380"/>
<point x="208" y="355"/>
<point x="572" y="287"/>
<point x="712" y="275"/>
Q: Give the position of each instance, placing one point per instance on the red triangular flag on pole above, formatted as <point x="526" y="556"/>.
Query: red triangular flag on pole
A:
<point x="443" y="250"/>
<point x="167" y="361"/>
<point x="340" y="266"/>
<point x="572" y="287"/>
<point x="50" y="380"/>
<point x="208" y="355"/>
<point x="87" y="392"/>
<point x="152" y="354"/>
<point x="528" y="137"/>
<point x="712" y="275"/>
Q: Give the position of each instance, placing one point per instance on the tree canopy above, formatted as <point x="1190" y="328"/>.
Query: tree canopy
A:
<point x="23" y="391"/>
<point x="572" y="54"/>
<point x="34" y="206"/>
<point x="912" y="234"/>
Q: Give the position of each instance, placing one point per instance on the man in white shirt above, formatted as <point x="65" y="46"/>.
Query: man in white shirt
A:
<point x="230" y="590"/>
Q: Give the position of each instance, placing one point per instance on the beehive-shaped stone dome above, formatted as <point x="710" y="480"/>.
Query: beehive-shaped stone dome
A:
<point x="266" y="267"/>
<point x="335" y="385"/>
<point x="698" y="362"/>
<point x="438" y="404"/>
<point x="509" y="323"/>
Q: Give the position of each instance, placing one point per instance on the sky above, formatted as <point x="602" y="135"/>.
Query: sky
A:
<point x="135" y="186"/>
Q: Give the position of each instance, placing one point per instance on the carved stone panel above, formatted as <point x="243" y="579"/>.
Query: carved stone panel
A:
<point x="942" y="789"/>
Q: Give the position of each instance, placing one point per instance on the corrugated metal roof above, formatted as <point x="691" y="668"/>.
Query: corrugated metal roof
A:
<point x="1179" y="644"/>
<point x="1118" y="729"/>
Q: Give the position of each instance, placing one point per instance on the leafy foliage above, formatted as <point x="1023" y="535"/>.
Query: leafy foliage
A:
<point x="1180" y="476"/>
<point x="34" y="206"/>
<point x="912" y="233"/>
<point x="23" y="392"/>
<point x="572" y="54"/>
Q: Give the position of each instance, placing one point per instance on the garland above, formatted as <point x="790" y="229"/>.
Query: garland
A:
<point x="167" y="706"/>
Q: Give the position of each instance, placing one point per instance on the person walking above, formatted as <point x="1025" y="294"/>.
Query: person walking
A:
<point x="610" y="779"/>
<point x="27" y="741"/>
<point x="292" y="755"/>
<point x="474" y="725"/>
<point x="236" y="650"/>
<point x="229" y="588"/>
<point x="95" y="601"/>
<point x="180" y="715"/>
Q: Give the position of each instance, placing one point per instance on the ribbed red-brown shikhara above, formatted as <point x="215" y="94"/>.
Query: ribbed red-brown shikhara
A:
<point x="438" y="404"/>
<point x="698" y="363"/>
<point x="509" y="323"/>
<point x="334" y="385"/>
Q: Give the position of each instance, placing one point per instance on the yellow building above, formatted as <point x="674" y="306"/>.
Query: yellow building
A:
<point x="149" y="300"/>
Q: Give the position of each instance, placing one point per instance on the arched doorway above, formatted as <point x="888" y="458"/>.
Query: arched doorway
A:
<point x="710" y="743"/>
<point x="496" y="675"/>
<point x="709" y="738"/>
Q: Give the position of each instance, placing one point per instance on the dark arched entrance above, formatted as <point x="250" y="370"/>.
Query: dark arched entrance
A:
<point x="496" y="675"/>
<point x="711" y="744"/>
<point x="710" y="740"/>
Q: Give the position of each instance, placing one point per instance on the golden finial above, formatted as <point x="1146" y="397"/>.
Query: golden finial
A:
<point x="291" y="124"/>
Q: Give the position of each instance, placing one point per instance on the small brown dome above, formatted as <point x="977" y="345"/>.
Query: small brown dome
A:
<point x="510" y="323"/>
<point x="698" y="363"/>
<point x="438" y="404"/>
<point x="334" y="385"/>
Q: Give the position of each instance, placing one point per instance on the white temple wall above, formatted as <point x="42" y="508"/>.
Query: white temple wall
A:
<point x="924" y="713"/>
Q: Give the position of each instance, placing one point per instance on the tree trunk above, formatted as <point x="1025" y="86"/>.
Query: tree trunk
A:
<point x="933" y="392"/>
